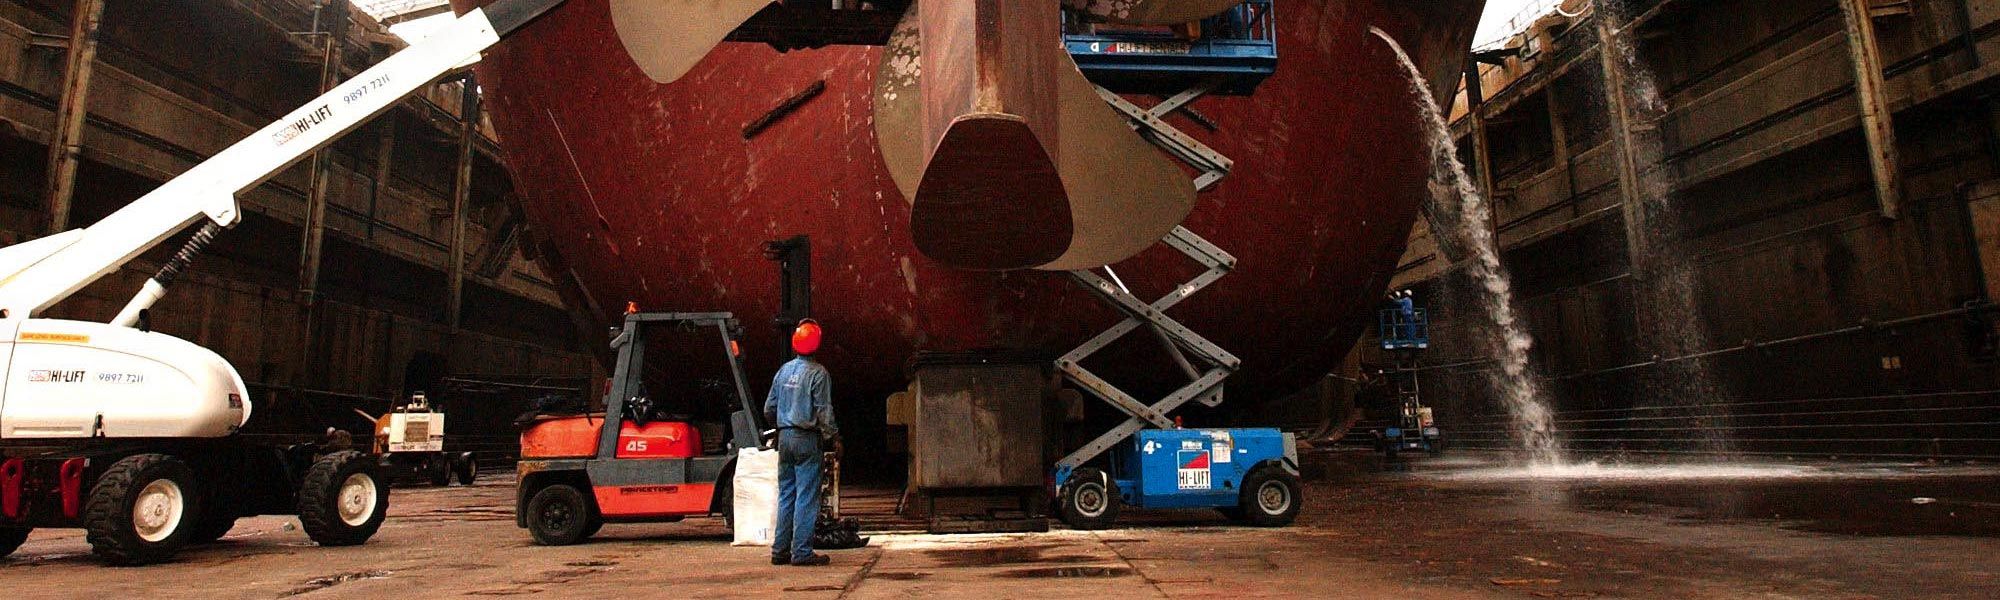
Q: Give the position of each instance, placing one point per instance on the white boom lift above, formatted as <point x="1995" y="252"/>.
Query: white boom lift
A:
<point x="134" y="435"/>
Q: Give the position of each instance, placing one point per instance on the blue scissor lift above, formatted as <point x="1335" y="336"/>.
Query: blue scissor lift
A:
<point x="1250" y="474"/>
<point x="1405" y="335"/>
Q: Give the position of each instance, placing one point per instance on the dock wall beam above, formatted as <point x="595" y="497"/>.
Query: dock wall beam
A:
<point x="461" y="198"/>
<point x="1631" y="181"/>
<point x="66" y="149"/>
<point x="1877" y="118"/>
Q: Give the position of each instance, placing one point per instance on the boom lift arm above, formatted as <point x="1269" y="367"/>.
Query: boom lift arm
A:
<point x="37" y="275"/>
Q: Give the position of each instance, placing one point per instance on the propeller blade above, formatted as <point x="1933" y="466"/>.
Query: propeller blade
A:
<point x="1113" y="194"/>
<point x="899" y="126"/>
<point x="1125" y="194"/>
<point x="1152" y="12"/>
<point x="668" y="37"/>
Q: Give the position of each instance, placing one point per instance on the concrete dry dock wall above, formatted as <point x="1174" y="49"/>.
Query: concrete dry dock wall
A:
<point x="176" y="82"/>
<point x="1828" y="328"/>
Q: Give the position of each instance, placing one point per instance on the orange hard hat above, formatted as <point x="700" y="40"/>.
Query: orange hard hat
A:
<point x="805" y="339"/>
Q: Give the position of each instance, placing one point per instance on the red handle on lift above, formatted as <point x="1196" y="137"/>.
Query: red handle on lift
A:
<point x="72" y="487"/>
<point x="11" y="474"/>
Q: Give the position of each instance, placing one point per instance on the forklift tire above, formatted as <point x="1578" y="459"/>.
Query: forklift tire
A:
<point x="1088" y="500"/>
<point x="11" y="539"/>
<point x="558" y="515"/>
<point x="595" y="525"/>
<point x="138" y="510"/>
<point x="343" y="500"/>
<point x="726" y="492"/>
<point x="466" y="470"/>
<point x="1270" y="497"/>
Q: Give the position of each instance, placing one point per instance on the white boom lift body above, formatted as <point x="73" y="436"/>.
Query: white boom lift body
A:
<point x="136" y="436"/>
<point x="74" y="379"/>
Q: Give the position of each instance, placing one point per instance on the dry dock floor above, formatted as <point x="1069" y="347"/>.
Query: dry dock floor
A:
<point x="1445" y="528"/>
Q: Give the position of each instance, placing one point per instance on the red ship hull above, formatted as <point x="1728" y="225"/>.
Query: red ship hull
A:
<point x="649" y="193"/>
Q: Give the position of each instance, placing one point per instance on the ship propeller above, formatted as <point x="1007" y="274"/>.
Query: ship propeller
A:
<point x="1006" y="153"/>
<point x="1008" y="156"/>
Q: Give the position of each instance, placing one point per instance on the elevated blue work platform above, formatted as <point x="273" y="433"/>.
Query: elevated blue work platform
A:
<point x="1238" y="49"/>
<point x="1400" y="331"/>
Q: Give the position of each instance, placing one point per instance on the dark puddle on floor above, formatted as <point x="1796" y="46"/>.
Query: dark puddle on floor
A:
<point x="1951" y="506"/>
<point x="591" y="563"/>
<point x="1061" y="572"/>
<point x="1002" y="555"/>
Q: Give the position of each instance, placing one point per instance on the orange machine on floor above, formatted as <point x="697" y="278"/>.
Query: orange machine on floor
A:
<point x="579" y="472"/>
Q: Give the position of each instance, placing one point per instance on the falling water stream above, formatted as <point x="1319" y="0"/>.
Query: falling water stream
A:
<point x="1666" y="292"/>
<point x="1510" y="341"/>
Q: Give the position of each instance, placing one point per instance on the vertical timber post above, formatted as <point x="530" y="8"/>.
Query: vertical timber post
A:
<point x="461" y="197"/>
<point x="66" y="147"/>
<point x="385" y="168"/>
<point x="1482" y="151"/>
<point x="314" y="235"/>
<point x="328" y="23"/>
<point x="1630" y="185"/>
<point x="1878" y="121"/>
<point x="1559" y="142"/>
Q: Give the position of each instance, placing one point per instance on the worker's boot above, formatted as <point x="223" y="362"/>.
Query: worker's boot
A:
<point x="812" y="561"/>
<point x="780" y="560"/>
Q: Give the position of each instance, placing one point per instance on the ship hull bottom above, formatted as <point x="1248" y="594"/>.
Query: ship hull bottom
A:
<point x="651" y="194"/>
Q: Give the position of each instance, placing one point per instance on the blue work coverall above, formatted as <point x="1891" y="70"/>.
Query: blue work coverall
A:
<point x="800" y="406"/>
<point x="1409" y="309"/>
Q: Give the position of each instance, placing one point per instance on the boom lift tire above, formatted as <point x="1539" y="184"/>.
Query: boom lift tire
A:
<point x="210" y="526"/>
<point x="1088" y="500"/>
<point x="343" y="501"/>
<point x="440" y="471"/>
<point x="1270" y="497"/>
<point x="139" y="510"/>
<point x="216" y="519"/>
<point x="559" y="515"/>
<point x="11" y="539"/>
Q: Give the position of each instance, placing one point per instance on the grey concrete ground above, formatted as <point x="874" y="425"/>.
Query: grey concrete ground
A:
<point x="1451" y="528"/>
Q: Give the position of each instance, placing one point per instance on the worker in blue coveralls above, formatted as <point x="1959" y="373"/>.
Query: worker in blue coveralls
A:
<point x="1408" y="306"/>
<point x="800" y="406"/>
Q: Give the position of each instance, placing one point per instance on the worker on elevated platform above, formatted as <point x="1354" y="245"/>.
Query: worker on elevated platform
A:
<point x="800" y="406"/>
<point x="1407" y="305"/>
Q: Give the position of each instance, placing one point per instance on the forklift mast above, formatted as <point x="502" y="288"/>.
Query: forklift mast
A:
<point x="629" y="377"/>
<point x="794" y="258"/>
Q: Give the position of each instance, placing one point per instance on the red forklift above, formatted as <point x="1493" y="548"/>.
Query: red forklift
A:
<point x="625" y="465"/>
